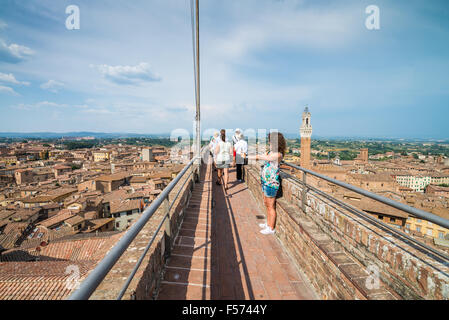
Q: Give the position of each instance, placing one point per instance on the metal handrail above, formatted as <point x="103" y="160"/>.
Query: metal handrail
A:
<point x="373" y="220"/>
<point x="403" y="207"/>
<point x="90" y="284"/>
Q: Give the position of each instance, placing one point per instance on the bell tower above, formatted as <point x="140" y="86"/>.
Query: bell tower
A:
<point x="306" y="135"/>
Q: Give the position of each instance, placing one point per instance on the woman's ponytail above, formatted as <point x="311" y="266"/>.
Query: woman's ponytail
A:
<point x="223" y="135"/>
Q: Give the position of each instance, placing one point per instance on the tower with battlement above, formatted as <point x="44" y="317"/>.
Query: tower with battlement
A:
<point x="306" y="135"/>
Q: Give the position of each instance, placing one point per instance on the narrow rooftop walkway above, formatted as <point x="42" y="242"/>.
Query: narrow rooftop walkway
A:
<point x="219" y="253"/>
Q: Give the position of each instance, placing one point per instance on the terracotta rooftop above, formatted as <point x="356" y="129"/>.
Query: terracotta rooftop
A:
<point x="5" y="214"/>
<point x="62" y="215"/>
<point x="74" y="220"/>
<point x="24" y="214"/>
<point x="373" y="177"/>
<point x="98" y="223"/>
<point x="117" y="195"/>
<point x="38" y="280"/>
<point x="61" y="167"/>
<point x="50" y="206"/>
<point x="113" y="177"/>
<point x="161" y="175"/>
<point x="61" y="191"/>
<point x="126" y="205"/>
<point x="11" y="234"/>
<point x="137" y="179"/>
<point x="372" y="206"/>
<point x="439" y="188"/>
<point x="137" y="195"/>
<point x="85" y="249"/>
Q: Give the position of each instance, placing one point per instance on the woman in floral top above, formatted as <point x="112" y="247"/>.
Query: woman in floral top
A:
<point x="269" y="177"/>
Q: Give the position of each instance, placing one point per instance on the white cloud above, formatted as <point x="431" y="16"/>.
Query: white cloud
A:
<point x="101" y="111"/>
<point x="52" y="86"/>
<point x="51" y="104"/>
<point x="288" y="25"/>
<point x="14" y="53"/>
<point x="8" y="90"/>
<point x="128" y="74"/>
<point x="42" y="104"/>
<point x="11" y="79"/>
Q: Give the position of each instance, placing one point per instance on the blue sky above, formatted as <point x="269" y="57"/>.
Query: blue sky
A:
<point x="129" y="67"/>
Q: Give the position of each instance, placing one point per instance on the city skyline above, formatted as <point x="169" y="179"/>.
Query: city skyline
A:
<point x="129" y="67"/>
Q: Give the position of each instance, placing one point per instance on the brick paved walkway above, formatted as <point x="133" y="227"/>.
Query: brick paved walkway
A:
<point x="220" y="254"/>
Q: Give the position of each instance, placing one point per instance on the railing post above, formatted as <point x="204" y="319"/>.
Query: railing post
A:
<point x="304" y="191"/>
<point x="167" y="232"/>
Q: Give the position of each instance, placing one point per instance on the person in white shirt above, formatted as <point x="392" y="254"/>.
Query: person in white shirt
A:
<point x="235" y="137"/>
<point x="241" y="151"/>
<point x="223" y="152"/>
<point x="212" y="145"/>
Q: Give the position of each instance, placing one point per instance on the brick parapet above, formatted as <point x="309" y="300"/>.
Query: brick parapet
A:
<point x="339" y="250"/>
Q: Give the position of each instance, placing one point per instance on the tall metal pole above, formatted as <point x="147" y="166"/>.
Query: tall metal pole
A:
<point x="198" y="111"/>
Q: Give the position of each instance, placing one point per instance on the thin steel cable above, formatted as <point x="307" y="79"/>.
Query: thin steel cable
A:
<point x="198" y="87"/>
<point x="196" y="67"/>
<point x="192" y="14"/>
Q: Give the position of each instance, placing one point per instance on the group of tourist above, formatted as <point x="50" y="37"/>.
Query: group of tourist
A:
<point x="235" y="153"/>
<point x="227" y="154"/>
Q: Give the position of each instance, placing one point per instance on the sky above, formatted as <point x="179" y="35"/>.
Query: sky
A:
<point x="129" y="67"/>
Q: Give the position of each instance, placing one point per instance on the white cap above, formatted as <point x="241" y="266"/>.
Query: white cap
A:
<point x="237" y="130"/>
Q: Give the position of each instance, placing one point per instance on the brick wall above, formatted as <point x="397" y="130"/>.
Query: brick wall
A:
<point x="341" y="253"/>
<point x="147" y="278"/>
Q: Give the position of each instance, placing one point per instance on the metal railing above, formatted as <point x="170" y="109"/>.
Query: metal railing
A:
<point x="90" y="284"/>
<point x="400" y="206"/>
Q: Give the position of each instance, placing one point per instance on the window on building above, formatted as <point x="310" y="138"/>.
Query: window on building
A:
<point x="429" y="232"/>
<point x="392" y="219"/>
<point x="441" y="235"/>
<point x="117" y="224"/>
<point x="418" y="228"/>
<point x="381" y="217"/>
<point x="418" y="220"/>
<point x="407" y="226"/>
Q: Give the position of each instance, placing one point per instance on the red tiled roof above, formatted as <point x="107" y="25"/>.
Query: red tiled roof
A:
<point x="117" y="195"/>
<point x="113" y="177"/>
<point x="62" y="215"/>
<point x="126" y="205"/>
<point x="98" y="223"/>
<point x="88" y="249"/>
<point x="137" y="179"/>
<point x="38" y="280"/>
<point x="61" y="167"/>
<point x="74" y="220"/>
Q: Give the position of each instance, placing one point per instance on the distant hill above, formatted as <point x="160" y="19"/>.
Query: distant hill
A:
<point x="98" y="135"/>
<point x="364" y="138"/>
<point x="124" y="135"/>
